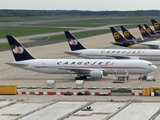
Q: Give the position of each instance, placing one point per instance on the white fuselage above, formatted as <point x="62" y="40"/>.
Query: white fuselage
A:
<point x="154" y="42"/>
<point x="145" y="54"/>
<point x="84" y="66"/>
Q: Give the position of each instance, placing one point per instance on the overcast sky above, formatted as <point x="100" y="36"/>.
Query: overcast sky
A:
<point x="94" y="5"/>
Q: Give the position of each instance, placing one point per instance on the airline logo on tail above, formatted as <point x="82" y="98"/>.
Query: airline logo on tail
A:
<point x="116" y="35"/>
<point x="73" y="42"/>
<point x="156" y="25"/>
<point x="142" y="30"/>
<point x="149" y="30"/>
<point x="18" y="50"/>
<point x="126" y="34"/>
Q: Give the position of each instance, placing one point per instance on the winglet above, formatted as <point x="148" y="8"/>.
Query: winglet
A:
<point x="18" y="50"/>
<point x="73" y="42"/>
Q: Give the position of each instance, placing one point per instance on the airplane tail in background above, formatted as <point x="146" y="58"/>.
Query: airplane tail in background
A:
<point x="149" y="30"/>
<point x="155" y="24"/>
<point x="144" y="33"/>
<point x="18" y="50"/>
<point x="117" y="36"/>
<point x="126" y="33"/>
<point x="73" y="41"/>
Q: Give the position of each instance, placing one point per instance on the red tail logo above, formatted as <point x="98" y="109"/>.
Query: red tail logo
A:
<point x="73" y="42"/>
<point x="18" y="50"/>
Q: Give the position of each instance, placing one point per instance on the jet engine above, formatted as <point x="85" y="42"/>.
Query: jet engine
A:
<point x="96" y="74"/>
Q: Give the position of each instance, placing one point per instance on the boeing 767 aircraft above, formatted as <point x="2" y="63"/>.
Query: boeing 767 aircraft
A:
<point x="94" y="68"/>
<point x="77" y="49"/>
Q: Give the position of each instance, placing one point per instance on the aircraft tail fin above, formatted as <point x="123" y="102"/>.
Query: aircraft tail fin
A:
<point x="73" y="42"/>
<point x="126" y="33"/>
<point x="144" y="33"/>
<point x="117" y="36"/>
<point x="155" y="24"/>
<point x="149" y="30"/>
<point x="18" y="50"/>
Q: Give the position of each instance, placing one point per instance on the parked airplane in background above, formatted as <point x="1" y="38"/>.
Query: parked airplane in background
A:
<point x="82" y="67"/>
<point x="149" y="30"/>
<point x="80" y="51"/>
<point x="136" y="44"/>
<point x="156" y="25"/>
<point x="145" y="33"/>
<point x="129" y="36"/>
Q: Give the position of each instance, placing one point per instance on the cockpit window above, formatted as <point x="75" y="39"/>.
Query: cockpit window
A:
<point x="150" y="64"/>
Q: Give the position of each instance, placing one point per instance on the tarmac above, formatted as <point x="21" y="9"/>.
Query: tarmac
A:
<point x="70" y="107"/>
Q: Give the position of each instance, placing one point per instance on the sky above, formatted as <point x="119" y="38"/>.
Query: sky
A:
<point x="93" y="5"/>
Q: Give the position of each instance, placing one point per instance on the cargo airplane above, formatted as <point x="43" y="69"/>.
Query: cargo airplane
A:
<point x="129" y="36"/>
<point x="145" y="33"/>
<point x="77" y="49"/>
<point x="94" y="68"/>
<point x="149" y="30"/>
<point x="136" y="44"/>
<point x="156" y="25"/>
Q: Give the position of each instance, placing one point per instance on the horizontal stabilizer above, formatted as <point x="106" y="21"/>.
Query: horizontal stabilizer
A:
<point x="117" y="43"/>
<point x="17" y="64"/>
<point x="72" y="53"/>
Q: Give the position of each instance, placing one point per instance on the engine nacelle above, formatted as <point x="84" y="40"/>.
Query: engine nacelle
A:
<point x="96" y="74"/>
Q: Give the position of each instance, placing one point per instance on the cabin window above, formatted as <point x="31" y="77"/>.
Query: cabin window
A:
<point x="133" y="51"/>
<point x="118" y="51"/>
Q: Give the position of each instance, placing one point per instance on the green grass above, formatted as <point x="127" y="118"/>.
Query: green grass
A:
<point x="37" y="18"/>
<point x="94" y="22"/>
<point x="22" y="31"/>
<point x="53" y="26"/>
<point x="78" y="35"/>
<point x="20" y="19"/>
<point x="6" y="46"/>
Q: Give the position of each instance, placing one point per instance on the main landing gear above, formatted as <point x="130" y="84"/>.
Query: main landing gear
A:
<point x="81" y="77"/>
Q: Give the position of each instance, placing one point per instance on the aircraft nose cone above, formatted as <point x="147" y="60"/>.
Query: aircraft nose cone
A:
<point x="154" y="68"/>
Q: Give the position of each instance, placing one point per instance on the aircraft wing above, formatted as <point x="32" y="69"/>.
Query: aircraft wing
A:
<point x="81" y="70"/>
<point x="152" y="46"/>
<point x="17" y="64"/>
<point x="122" y="57"/>
<point x="149" y="45"/>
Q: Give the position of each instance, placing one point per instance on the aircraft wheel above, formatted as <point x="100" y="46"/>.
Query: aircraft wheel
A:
<point x="81" y="77"/>
<point x="84" y="77"/>
<point x="77" y="78"/>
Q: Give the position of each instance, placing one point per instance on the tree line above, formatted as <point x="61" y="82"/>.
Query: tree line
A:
<point x="31" y="13"/>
